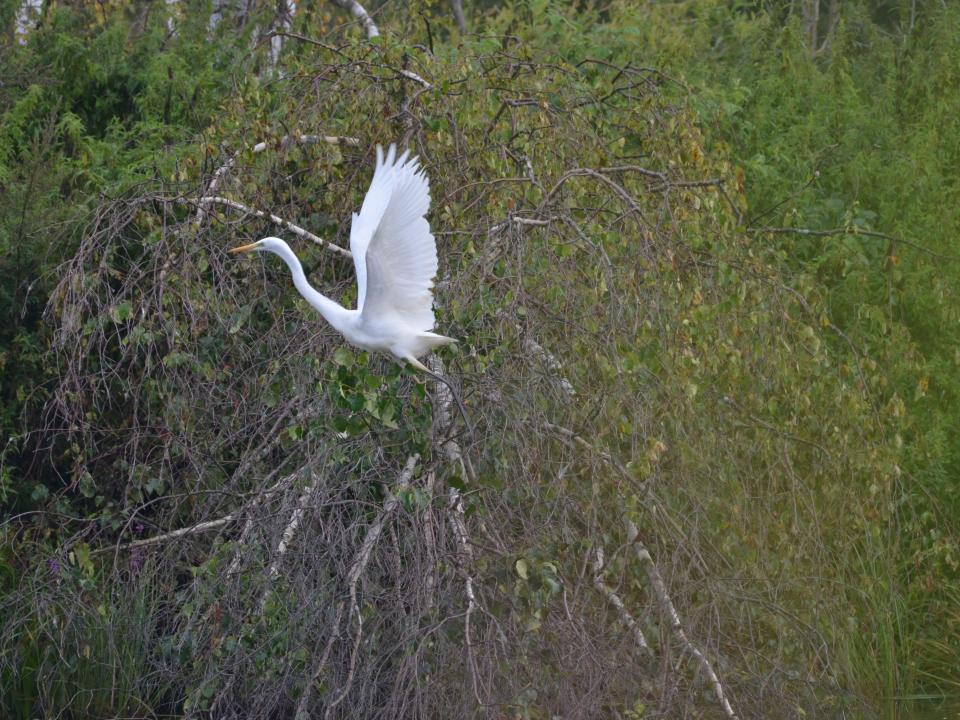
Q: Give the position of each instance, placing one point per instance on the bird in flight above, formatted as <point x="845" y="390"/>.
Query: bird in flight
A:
<point x="395" y="256"/>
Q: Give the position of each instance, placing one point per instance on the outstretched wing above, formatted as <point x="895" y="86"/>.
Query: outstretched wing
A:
<point x="365" y="224"/>
<point x="401" y="257"/>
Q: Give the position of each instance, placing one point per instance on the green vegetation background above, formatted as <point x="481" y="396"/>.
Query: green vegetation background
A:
<point x="864" y="137"/>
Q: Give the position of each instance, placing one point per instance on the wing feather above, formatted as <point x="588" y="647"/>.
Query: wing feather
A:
<point x="371" y="212"/>
<point x="401" y="257"/>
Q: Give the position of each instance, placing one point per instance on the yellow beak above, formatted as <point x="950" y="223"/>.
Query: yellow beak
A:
<point x="243" y="248"/>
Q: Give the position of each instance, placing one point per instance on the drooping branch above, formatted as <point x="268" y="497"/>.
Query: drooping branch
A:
<point x="855" y="231"/>
<point x="569" y="434"/>
<point x="357" y="568"/>
<point x="288" y="532"/>
<point x="610" y="594"/>
<point x="280" y="222"/>
<point x="553" y="366"/>
<point x="455" y="513"/>
<point x="182" y="532"/>
<point x="373" y="534"/>
<point x="416" y="78"/>
<point x="259" y="148"/>
<point x="291" y="529"/>
<point x="304" y="703"/>
<point x="660" y="588"/>
<point x="199" y="527"/>
<point x="653" y="573"/>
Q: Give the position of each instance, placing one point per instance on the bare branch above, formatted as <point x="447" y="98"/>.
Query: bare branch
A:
<point x="373" y="534"/>
<point x="625" y="617"/>
<point x="854" y="231"/>
<point x="413" y="76"/>
<point x="199" y="527"/>
<point x="353" y="576"/>
<point x="660" y="588"/>
<point x="261" y="146"/>
<point x="553" y="366"/>
<point x="304" y="703"/>
<point x="286" y="225"/>
<point x="287" y="537"/>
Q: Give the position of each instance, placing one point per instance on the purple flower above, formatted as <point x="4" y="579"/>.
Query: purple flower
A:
<point x="54" y="566"/>
<point x="139" y="527"/>
<point x="135" y="561"/>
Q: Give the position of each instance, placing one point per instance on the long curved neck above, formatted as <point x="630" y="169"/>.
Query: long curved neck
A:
<point x="332" y="312"/>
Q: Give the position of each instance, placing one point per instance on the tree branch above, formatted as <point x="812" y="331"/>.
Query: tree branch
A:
<point x="625" y="617"/>
<point x="286" y="225"/>
<point x="199" y="527"/>
<point x="660" y="588"/>
<point x="353" y="577"/>
<point x="854" y="231"/>
<point x="302" y="713"/>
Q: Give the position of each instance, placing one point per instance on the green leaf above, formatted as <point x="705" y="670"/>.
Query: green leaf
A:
<point x="344" y="357"/>
<point x="523" y="568"/>
<point x="82" y="552"/>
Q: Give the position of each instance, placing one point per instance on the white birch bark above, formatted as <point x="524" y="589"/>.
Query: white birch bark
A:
<point x="26" y="20"/>
<point x="286" y="9"/>
<point x="356" y="9"/>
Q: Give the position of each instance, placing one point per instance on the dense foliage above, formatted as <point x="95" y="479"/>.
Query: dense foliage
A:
<point x="645" y="342"/>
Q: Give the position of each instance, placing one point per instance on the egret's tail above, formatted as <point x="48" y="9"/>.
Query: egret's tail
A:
<point x="432" y="340"/>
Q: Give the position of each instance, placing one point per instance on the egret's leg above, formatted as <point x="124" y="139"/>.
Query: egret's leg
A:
<point x="463" y="410"/>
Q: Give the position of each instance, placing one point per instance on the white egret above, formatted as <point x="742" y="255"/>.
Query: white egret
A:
<point x="395" y="257"/>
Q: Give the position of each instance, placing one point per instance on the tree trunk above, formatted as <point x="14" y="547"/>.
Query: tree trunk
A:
<point x="286" y="9"/>
<point x="458" y="17"/>
<point x="27" y="18"/>
<point x="811" y="18"/>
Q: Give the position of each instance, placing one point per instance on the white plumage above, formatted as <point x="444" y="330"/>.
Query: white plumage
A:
<point x="395" y="257"/>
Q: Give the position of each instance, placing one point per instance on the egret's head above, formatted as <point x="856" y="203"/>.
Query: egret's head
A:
<point x="270" y="244"/>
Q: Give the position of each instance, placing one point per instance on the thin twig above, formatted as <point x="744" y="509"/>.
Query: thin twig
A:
<point x="854" y="231"/>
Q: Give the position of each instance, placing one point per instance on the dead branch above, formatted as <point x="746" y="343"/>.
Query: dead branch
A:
<point x="373" y="534"/>
<point x="416" y="78"/>
<point x="304" y="703"/>
<point x="199" y="527"/>
<point x="442" y="422"/>
<point x="660" y="588"/>
<point x="280" y="222"/>
<point x="854" y="231"/>
<point x="353" y="576"/>
<point x="552" y="365"/>
<point x="260" y="147"/>
<point x="625" y="617"/>
<point x="655" y="579"/>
